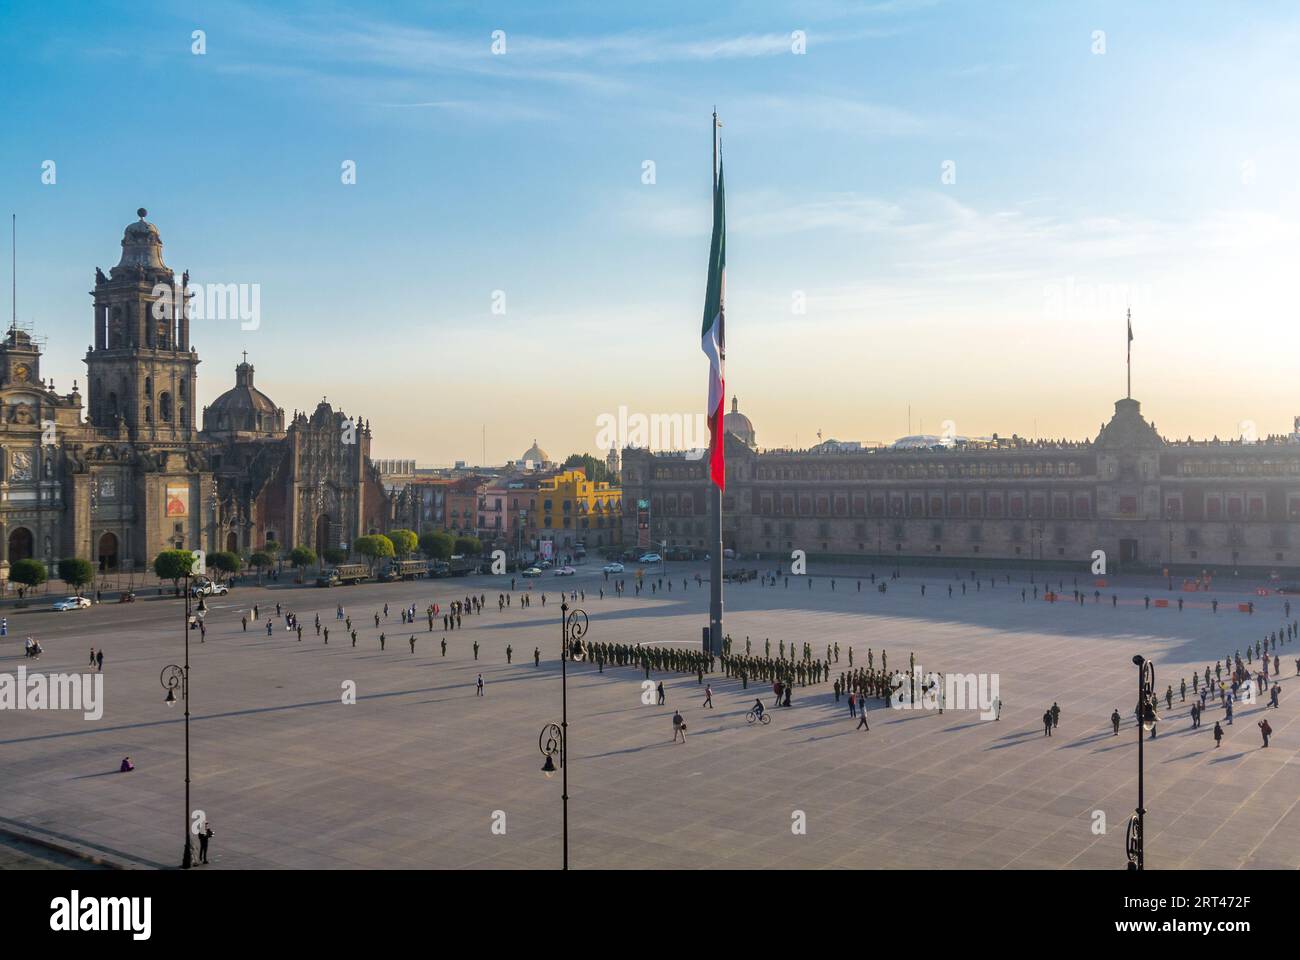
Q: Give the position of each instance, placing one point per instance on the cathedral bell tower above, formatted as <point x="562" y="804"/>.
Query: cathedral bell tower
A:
<point x="142" y="368"/>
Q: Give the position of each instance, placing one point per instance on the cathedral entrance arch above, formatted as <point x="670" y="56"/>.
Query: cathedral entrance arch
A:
<point x="20" y="545"/>
<point x="232" y="542"/>
<point x="107" y="552"/>
<point x="322" y="534"/>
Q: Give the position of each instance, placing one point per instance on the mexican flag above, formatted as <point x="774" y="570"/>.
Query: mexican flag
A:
<point x="712" y="340"/>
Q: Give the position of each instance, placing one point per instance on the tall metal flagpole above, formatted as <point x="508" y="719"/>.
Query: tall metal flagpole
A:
<point x="715" y="564"/>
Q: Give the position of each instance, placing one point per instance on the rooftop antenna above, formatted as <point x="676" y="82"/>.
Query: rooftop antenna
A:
<point x="13" y="245"/>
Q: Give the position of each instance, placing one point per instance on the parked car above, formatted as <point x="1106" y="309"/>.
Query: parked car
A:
<point x="71" y="603"/>
<point x="565" y="571"/>
<point x="650" y="558"/>
<point x="613" y="568"/>
<point x="532" y="572"/>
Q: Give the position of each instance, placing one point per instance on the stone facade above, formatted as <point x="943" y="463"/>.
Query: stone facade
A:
<point x="1142" y="499"/>
<point x="137" y="476"/>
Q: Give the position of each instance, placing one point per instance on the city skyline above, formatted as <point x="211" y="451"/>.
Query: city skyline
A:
<point x="1059" y="219"/>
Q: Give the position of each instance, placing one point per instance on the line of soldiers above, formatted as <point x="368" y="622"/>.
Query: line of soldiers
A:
<point x="803" y="672"/>
<point x="658" y="659"/>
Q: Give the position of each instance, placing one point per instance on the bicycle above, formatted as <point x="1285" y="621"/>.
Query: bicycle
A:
<point x="754" y="715"/>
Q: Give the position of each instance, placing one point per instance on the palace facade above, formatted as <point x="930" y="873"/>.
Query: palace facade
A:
<point x="1146" y="501"/>
<point x="137" y="476"/>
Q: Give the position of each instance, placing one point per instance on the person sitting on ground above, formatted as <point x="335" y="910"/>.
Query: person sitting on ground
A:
<point x="127" y="765"/>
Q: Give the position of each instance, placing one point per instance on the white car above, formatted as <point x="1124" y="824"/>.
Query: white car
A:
<point x="650" y="558"/>
<point x="565" y="571"/>
<point x="532" y="572"/>
<point x="209" y="589"/>
<point x="71" y="603"/>
<point x="613" y="568"/>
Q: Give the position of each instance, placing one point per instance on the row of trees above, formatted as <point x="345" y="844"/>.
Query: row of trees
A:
<point x="174" y="564"/>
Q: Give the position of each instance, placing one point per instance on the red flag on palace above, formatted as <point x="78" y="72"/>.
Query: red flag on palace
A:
<point x="713" y="340"/>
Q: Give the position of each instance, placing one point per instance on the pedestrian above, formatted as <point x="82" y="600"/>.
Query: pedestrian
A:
<point x="204" y="837"/>
<point x="659" y="691"/>
<point x="92" y="656"/>
<point x="1114" y="721"/>
<point x="537" y="656"/>
<point x="1265" y="731"/>
<point x="412" y="643"/>
<point x="708" y="696"/>
<point x="1047" y="723"/>
<point x="679" y="727"/>
<point x="1218" y="734"/>
<point x="479" y="686"/>
<point x="1056" y="714"/>
<point x="99" y="660"/>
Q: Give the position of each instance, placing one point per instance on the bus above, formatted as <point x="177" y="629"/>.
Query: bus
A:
<point x="343" y="574"/>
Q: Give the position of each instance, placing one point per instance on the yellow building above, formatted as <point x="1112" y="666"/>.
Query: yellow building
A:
<point x="572" y="510"/>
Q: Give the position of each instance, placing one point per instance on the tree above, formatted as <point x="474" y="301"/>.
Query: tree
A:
<point x="27" y="573"/>
<point x="224" y="561"/>
<point x="404" y="542"/>
<point x="596" y="470"/>
<point x="468" y="546"/>
<point x="374" y="547"/>
<point x="302" y="557"/>
<point x="172" y="565"/>
<point x="76" y="573"/>
<point x="334" y="555"/>
<point x="261" y="560"/>
<point x="437" y="545"/>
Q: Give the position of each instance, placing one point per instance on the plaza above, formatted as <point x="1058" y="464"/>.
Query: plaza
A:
<point x="422" y="773"/>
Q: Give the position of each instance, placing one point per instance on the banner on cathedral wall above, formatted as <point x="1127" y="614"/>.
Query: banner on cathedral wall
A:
<point x="178" y="499"/>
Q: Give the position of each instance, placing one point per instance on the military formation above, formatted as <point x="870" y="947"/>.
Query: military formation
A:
<point x="646" y="658"/>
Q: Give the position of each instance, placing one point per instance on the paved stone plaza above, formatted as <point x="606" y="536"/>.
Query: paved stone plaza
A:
<point x="413" y="773"/>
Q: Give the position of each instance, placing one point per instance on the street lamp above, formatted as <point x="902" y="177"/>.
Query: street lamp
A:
<point x="554" y="738"/>
<point x="1147" y="720"/>
<point x="171" y="678"/>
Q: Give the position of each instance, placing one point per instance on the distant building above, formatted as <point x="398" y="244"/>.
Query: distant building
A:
<point x="1144" y="500"/>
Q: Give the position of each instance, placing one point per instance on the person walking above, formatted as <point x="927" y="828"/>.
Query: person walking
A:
<point x="708" y="696"/>
<point x="1114" y="721"/>
<point x="537" y="656"/>
<point x="659" y="692"/>
<point x="1265" y="731"/>
<point x="1196" y="714"/>
<point x="679" y="727"/>
<point x="510" y="652"/>
<point x="862" y="720"/>
<point x="99" y="660"/>
<point x="1056" y="714"/>
<point x="478" y="687"/>
<point x="1218" y="734"/>
<point x="997" y="708"/>
<point x="1047" y="723"/>
<point x="852" y="705"/>
<point x="412" y="644"/>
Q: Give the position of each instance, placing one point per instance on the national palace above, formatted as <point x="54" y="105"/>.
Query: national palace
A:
<point x="137" y="475"/>
<point x="1147" y="501"/>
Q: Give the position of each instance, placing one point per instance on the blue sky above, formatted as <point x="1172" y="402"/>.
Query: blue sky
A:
<point x="1156" y="174"/>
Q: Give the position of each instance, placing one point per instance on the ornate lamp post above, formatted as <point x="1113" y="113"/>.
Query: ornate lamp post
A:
<point x="554" y="738"/>
<point x="172" y="677"/>
<point x="1147" y="719"/>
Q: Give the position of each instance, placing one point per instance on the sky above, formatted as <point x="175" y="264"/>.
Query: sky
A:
<point x="938" y="212"/>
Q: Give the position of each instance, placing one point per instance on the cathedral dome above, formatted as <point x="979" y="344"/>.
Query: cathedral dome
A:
<point x="536" y="454"/>
<point x="243" y="408"/>
<point x="141" y="245"/>
<point x="737" y="423"/>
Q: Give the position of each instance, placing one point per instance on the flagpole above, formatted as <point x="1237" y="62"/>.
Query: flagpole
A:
<point x="1129" y="359"/>
<point x="715" y="563"/>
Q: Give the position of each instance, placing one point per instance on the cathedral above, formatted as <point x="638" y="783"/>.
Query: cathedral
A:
<point x="136" y="476"/>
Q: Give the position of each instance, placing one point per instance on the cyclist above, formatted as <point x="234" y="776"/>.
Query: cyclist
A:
<point x="757" y="709"/>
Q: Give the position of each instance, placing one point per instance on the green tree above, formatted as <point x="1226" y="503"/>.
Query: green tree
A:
<point x="595" y="470"/>
<point x="404" y="542"/>
<point x="437" y="545"/>
<point x="76" y="573"/>
<point x="224" y="561"/>
<point x="374" y="548"/>
<point x="468" y="546"/>
<point x="302" y="557"/>
<point x="27" y="573"/>
<point x="261" y="560"/>
<point x="334" y="555"/>
<point x="172" y="565"/>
